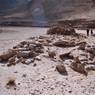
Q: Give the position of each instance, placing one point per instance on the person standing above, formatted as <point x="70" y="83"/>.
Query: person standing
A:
<point x="87" y="32"/>
<point x="91" y="32"/>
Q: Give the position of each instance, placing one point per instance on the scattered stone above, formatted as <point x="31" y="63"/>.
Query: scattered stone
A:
<point x="34" y="65"/>
<point x="27" y="52"/>
<point x="22" y="53"/>
<point x="43" y="78"/>
<point x="18" y="83"/>
<point x="61" y="69"/>
<point x="24" y="75"/>
<point x="70" y="91"/>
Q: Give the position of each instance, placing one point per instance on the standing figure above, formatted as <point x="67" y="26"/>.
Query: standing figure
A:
<point x="87" y="32"/>
<point x="91" y="32"/>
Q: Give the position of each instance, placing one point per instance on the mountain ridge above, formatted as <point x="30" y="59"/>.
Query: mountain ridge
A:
<point x="51" y="10"/>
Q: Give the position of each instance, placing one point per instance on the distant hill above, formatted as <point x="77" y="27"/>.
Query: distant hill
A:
<point x="44" y="11"/>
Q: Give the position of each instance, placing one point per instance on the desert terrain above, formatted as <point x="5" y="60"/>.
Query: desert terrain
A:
<point x="41" y="76"/>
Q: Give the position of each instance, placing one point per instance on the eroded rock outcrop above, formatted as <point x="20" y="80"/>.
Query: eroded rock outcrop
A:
<point x="78" y="67"/>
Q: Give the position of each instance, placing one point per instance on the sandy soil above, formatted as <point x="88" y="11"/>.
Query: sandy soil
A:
<point x="42" y="79"/>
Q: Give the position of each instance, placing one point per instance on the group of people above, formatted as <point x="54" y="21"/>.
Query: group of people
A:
<point x="88" y="32"/>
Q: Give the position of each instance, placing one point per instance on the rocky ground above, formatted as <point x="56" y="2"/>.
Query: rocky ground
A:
<point x="49" y="65"/>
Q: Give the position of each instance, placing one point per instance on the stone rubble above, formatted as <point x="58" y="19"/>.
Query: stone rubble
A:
<point x="26" y="52"/>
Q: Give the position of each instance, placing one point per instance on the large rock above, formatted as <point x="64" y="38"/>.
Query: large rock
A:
<point x="61" y="69"/>
<point x="78" y="67"/>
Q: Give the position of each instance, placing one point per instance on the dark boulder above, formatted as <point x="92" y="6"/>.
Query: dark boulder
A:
<point x="61" y="69"/>
<point x="78" y="67"/>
